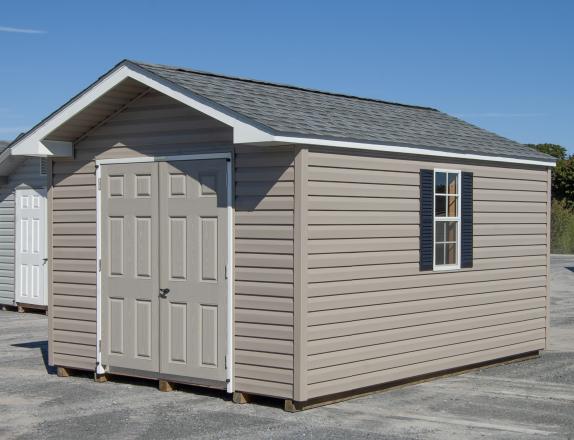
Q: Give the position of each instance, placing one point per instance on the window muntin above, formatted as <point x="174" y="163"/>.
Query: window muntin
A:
<point x="446" y="246"/>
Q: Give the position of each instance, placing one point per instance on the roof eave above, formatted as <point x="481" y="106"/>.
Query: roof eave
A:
<point x="399" y="149"/>
<point x="37" y="142"/>
<point x="245" y="130"/>
<point x="8" y="163"/>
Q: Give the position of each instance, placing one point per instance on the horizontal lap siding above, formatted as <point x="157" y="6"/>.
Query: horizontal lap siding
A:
<point x="26" y="175"/>
<point x="264" y="192"/>
<point x="373" y="317"/>
<point x="152" y="125"/>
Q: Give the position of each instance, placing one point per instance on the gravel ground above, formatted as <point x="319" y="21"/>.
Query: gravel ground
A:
<point x="531" y="399"/>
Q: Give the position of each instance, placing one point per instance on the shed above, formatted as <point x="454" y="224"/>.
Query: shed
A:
<point x="273" y="240"/>
<point x="23" y="222"/>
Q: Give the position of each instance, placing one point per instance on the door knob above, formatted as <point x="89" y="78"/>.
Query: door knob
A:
<point x="163" y="292"/>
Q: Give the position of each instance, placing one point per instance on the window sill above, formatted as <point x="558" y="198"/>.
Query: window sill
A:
<point x="449" y="268"/>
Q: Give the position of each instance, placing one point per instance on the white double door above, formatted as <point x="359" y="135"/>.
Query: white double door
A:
<point x="31" y="249"/>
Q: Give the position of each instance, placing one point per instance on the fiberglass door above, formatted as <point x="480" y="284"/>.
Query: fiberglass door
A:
<point x="193" y="255"/>
<point x="31" y="246"/>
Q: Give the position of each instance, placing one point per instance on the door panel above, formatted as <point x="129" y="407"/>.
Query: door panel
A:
<point x="129" y="198"/>
<point x="31" y="246"/>
<point x="193" y="249"/>
<point x="164" y="225"/>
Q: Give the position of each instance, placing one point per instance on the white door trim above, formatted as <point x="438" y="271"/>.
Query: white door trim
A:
<point x="230" y="260"/>
<point x="43" y="192"/>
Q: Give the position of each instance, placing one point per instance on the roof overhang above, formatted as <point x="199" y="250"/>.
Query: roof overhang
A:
<point x="8" y="162"/>
<point x="37" y="142"/>
<point x="412" y="150"/>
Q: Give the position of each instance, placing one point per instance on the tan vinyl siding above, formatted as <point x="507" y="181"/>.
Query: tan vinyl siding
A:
<point x="373" y="317"/>
<point x="26" y="175"/>
<point x="152" y="125"/>
<point x="264" y="199"/>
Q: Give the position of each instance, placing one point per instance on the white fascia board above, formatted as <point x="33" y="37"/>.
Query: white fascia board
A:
<point x="242" y="131"/>
<point x="406" y="150"/>
<point x="45" y="148"/>
<point x="31" y="144"/>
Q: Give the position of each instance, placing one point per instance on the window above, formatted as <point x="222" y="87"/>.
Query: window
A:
<point x="446" y="219"/>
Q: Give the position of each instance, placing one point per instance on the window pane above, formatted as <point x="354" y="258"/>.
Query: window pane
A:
<point x="439" y="254"/>
<point x="450" y="257"/>
<point x="440" y="232"/>
<point x="440" y="183"/>
<point x="452" y="183"/>
<point x="451" y="228"/>
<point x="440" y="206"/>
<point x="452" y="206"/>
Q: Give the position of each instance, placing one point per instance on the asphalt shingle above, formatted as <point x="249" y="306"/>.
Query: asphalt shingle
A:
<point x="290" y="110"/>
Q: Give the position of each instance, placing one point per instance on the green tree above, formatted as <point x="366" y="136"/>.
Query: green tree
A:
<point x="563" y="181"/>
<point x="558" y="151"/>
<point x="562" y="198"/>
<point x="562" y="175"/>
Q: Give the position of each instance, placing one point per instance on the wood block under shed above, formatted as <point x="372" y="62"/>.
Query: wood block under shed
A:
<point x="62" y="372"/>
<point x="165" y="386"/>
<point x="241" y="398"/>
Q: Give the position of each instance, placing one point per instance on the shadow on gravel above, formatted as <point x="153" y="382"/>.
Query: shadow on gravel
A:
<point x="43" y="346"/>
<point x="571" y="268"/>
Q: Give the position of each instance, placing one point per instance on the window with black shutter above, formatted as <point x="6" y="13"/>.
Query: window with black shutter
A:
<point x="445" y="219"/>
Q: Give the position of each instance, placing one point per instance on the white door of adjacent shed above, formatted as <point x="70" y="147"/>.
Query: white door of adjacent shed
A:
<point x="31" y="249"/>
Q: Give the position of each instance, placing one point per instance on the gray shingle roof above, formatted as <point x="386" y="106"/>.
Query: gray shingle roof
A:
<point x="290" y="110"/>
<point x="3" y="145"/>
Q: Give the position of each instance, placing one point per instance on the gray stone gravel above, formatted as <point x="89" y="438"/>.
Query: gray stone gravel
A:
<point x="531" y="399"/>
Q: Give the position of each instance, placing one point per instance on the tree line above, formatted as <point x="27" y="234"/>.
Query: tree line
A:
<point x="562" y="222"/>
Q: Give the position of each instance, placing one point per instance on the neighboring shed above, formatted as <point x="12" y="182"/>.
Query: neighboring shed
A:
<point x="23" y="179"/>
<point x="274" y="240"/>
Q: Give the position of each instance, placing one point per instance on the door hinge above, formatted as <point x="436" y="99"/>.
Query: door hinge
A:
<point x="99" y="183"/>
<point x="225" y="361"/>
<point x="99" y="265"/>
<point x="226" y="275"/>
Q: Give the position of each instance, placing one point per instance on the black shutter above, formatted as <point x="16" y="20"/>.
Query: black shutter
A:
<point x="466" y="220"/>
<point x="426" y="220"/>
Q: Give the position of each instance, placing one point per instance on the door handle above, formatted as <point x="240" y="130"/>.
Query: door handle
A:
<point x="163" y="292"/>
<point x="45" y="260"/>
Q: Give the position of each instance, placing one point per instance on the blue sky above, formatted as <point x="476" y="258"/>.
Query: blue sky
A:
<point x="507" y="66"/>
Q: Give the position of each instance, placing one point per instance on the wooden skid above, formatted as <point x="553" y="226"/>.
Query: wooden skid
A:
<point x="101" y="378"/>
<point x="293" y="406"/>
<point x="32" y="308"/>
<point x="165" y="386"/>
<point x="62" y="372"/>
<point x="242" y="398"/>
<point x="67" y="372"/>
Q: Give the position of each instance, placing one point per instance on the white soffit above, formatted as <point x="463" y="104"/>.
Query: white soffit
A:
<point x="35" y="144"/>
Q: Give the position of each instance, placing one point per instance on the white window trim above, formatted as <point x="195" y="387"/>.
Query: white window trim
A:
<point x="447" y="267"/>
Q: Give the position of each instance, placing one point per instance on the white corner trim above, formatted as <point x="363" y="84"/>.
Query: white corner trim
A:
<point x="230" y="277"/>
<point x="406" y="150"/>
<point x="99" y="367"/>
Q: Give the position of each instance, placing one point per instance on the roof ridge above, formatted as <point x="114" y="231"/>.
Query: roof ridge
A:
<point x="282" y="85"/>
